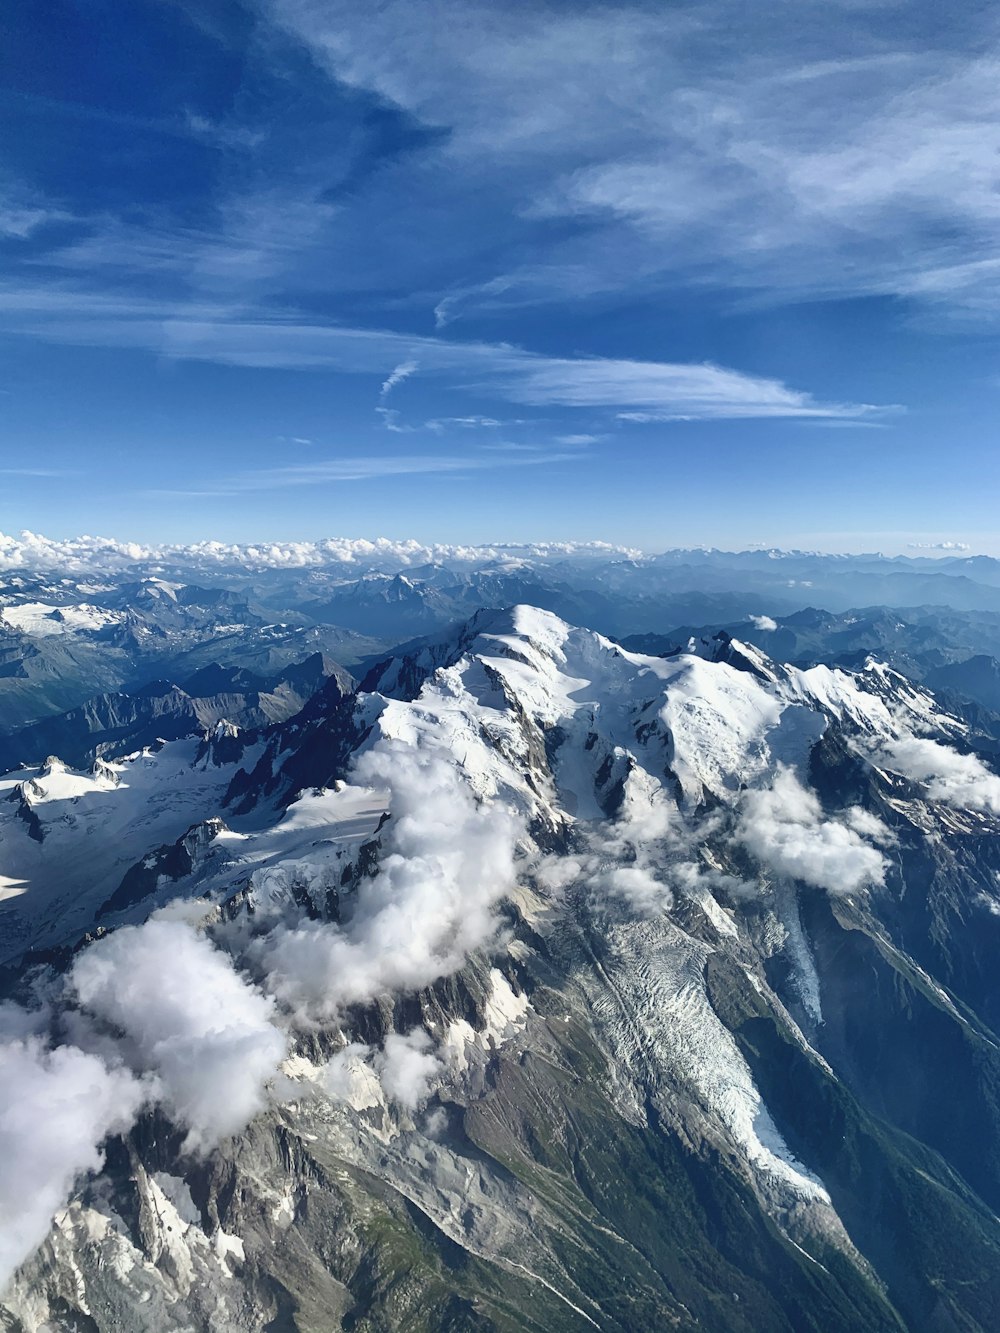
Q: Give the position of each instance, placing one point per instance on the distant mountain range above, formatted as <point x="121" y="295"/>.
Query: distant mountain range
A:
<point x="112" y="725"/>
<point x="65" y="640"/>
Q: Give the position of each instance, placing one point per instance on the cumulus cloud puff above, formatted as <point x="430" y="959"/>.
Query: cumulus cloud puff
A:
<point x="347" y="1076"/>
<point x="56" y="1107"/>
<point x="166" y="1018"/>
<point x="638" y="884"/>
<point x="447" y="861"/>
<point x="783" y="827"/>
<point x="159" y="1002"/>
<point x="189" y="1019"/>
<point x="959" y="780"/>
<point x="938" y="546"/>
<point x="627" y="859"/>
<point x="407" y="1065"/>
<point x="642" y="858"/>
<point x="404" y="1069"/>
<point x="763" y="622"/>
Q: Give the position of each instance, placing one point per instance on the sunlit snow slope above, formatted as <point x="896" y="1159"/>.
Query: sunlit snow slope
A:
<point x="546" y="985"/>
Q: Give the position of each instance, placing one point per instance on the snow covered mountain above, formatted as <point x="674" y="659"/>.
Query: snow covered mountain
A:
<point x="952" y="652"/>
<point x="538" y="984"/>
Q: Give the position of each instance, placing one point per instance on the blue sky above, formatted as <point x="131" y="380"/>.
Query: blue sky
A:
<point x="473" y="271"/>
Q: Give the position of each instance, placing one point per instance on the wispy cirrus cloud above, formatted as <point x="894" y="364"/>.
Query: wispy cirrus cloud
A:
<point x="372" y="467"/>
<point x="638" y="390"/>
<point x="25" y="211"/>
<point x="700" y="144"/>
<point x="389" y="416"/>
<point x="46" y="473"/>
<point x="402" y="372"/>
<point x="708" y="143"/>
<point x="463" y="423"/>
<point x="20" y="222"/>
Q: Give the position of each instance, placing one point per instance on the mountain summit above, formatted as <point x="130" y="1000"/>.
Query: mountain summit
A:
<point x="537" y="984"/>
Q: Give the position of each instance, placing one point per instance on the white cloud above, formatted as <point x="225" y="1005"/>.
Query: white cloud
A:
<point x="450" y="307"/>
<point x="369" y="467"/>
<point x="407" y="1066"/>
<point x="346" y="1076"/>
<point x="404" y="1070"/>
<point x="37" y="472"/>
<point x="21" y="222"/>
<point x="465" y="423"/>
<point x="189" y="1019"/>
<point x="869" y="826"/>
<point x="764" y="623"/>
<point x="642" y="886"/>
<point x="669" y="391"/>
<point x="165" y="1017"/>
<point x="32" y="551"/>
<point x="784" y="828"/>
<point x="264" y="224"/>
<point x="631" y="857"/>
<point x="447" y="861"/>
<point x="641" y="858"/>
<point x="221" y="134"/>
<point x="56" y="1107"/>
<point x="640" y="391"/>
<point x="402" y="372"/>
<point x="938" y="546"/>
<point x="702" y="141"/>
<point x="961" y="780"/>
<point x="24" y="212"/>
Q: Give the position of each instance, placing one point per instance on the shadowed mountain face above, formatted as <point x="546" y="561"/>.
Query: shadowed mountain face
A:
<point x="536" y="984"/>
<point x="110" y="725"/>
<point x="64" y="642"/>
<point x="976" y="678"/>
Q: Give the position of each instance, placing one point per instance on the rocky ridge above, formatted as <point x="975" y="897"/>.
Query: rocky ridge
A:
<point x="611" y="991"/>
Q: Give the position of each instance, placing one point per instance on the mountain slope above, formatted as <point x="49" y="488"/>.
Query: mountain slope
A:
<point x="111" y="725"/>
<point x="932" y="644"/>
<point x="545" y="985"/>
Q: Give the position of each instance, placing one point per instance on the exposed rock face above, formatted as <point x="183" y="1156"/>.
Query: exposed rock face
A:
<point x="720" y="1052"/>
<point x="166" y="863"/>
<point x="112" y="725"/>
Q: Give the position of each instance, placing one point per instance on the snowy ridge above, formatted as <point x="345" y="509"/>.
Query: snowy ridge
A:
<point x="43" y="619"/>
<point x="714" y="726"/>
